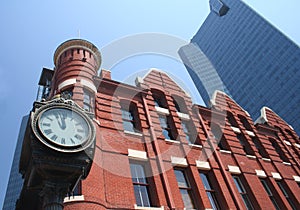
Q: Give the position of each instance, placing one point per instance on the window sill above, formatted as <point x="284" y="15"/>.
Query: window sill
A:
<point x="162" y="110"/>
<point x="266" y="159"/>
<point x="225" y="151"/>
<point x="183" y="116"/>
<point x="196" y="145"/>
<point x="286" y="163"/>
<point x="172" y="141"/>
<point x="74" y="198"/>
<point x="133" y="133"/>
<point x="148" y="208"/>
<point x="251" y="156"/>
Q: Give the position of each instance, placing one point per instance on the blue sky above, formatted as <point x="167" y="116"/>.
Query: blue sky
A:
<point x="31" y="30"/>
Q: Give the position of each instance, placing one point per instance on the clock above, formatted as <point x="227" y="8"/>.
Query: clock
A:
<point x="64" y="127"/>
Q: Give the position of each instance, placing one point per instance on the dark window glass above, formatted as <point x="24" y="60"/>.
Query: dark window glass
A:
<point x="279" y="150"/>
<point x="209" y="191"/>
<point x="166" y="130"/>
<point x="185" y="189"/>
<point x="245" y="123"/>
<point x="177" y="107"/>
<point x="219" y="137"/>
<point x="231" y="120"/>
<point x="242" y="192"/>
<point x="186" y="128"/>
<point x="269" y="192"/>
<point x="87" y="100"/>
<point x="259" y="147"/>
<point x="140" y="185"/>
<point x="158" y="101"/>
<point x="286" y="194"/>
<point x="67" y="94"/>
<point x="129" y="119"/>
<point x="244" y="143"/>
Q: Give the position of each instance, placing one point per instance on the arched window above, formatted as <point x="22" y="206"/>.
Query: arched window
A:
<point x="130" y="117"/>
<point x="245" y="123"/>
<point x="278" y="149"/>
<point x="87" y="100"/>
<point x="179" y="104"/>
<point x="232" y="120"/>
<point x="218" y="135"/>
<point x="159" y="98"/>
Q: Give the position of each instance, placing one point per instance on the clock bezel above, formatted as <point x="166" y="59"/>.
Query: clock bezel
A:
<point x="59" y="147"/>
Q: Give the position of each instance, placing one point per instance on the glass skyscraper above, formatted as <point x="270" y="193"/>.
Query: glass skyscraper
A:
<point x="15" y="182"/>
<point x="239" y="52"/>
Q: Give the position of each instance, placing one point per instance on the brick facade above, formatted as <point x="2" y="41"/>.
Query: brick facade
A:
<point x="213" y="149"/>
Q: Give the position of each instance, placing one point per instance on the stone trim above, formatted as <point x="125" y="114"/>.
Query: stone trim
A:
<point x="260" y="173"/>
<point x="162" y="110"/>
<point x="235" y="129"/>
<point x="234" y="169"/>
<point x="178" y="161"/>
<point x="250" y="133"/>
<point x="203" y="165"/>
<point x="183" y="116"/>
<point x="137" y="155"/>
<point x="66" y="83"/>
<point x="74" y="198"/>
<point x="88" y="85"/>
<point x="297" y="178"/>
<point x="276" y="175"/>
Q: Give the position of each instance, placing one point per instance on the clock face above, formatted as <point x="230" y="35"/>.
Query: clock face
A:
<point x="64" y="127"/>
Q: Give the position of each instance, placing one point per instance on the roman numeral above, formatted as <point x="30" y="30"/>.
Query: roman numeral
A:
<point x="73" y="142"/>
<point x="54" y="137"/>
<point x="78" y="137"/>
<point x="49" y="118"/>
<point x="46" y="124"/>
<point x="48" y="131"/>
<point x="63" y="141"/>
<point x="80" y="130"/>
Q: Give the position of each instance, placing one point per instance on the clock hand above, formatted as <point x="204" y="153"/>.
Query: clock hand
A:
<point x="59" y="120"/>
<point x="63" y="121"/>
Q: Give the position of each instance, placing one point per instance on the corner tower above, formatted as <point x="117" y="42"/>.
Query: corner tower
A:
<point x="76" y="63"/>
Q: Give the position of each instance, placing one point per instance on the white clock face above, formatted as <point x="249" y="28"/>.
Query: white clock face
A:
<point x="64" y="127"/>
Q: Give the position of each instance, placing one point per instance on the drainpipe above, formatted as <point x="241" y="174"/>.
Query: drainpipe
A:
<point x="158" y="156"/>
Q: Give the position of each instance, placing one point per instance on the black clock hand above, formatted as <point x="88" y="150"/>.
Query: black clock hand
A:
<point x="57" y="116"/>
<point x="63" y="121"/>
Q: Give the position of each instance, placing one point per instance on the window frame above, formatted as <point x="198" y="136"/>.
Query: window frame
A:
<point x="214" y="202"/>
<point x="244" y="195"/>
<point x="87" y="102"/>
<point x="269" y="192"/>
<point x="282" y="187"/>
<point x="166" y="126"/>
<point x="144" y="185"/>
<point x="186" y="188"/>
<point x="130" y="109"/>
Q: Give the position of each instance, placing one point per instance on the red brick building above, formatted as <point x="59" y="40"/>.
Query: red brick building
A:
<point x="155" y="149"/>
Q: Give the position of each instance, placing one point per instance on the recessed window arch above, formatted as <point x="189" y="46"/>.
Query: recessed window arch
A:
<point x="232" y="120"/>
<point x="245" y="122"/>
<point x="278" y="150"/>
<point x="159" y="98"/>
<point x="219" y="136"/>
<point x="179" y="104"/>
<point x="130" y="116"/>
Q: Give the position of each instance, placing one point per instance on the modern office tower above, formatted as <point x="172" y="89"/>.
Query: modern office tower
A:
<point x="239" y="52"/>
<point x="15" y="182"/>
<point x="153" y="149"/>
